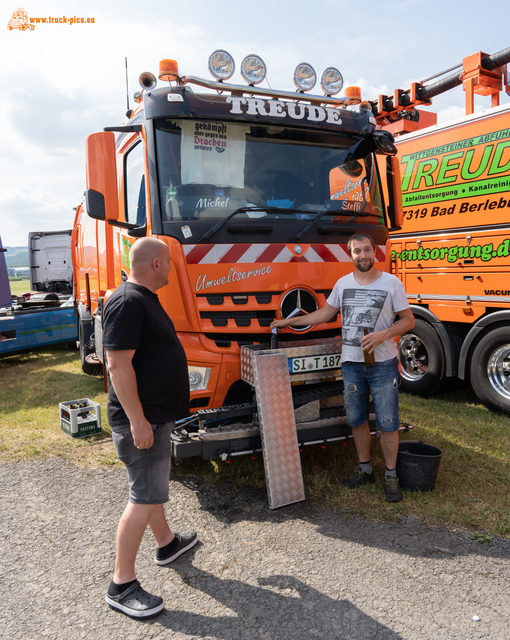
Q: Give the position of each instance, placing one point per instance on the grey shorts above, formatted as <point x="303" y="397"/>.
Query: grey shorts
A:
<point x="148" y="469"/>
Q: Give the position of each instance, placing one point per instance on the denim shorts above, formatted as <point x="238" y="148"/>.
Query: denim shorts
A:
<point x="148" y="469"/>
<point x="381" y="382"/>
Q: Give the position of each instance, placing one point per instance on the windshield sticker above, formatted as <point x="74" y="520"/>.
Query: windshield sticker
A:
<point x="256" y="214"/>
<point x="485" y="252"/>
<point x="213" y="153"/>
<point x="464" y="169"/>
<point x="186" y="231"/>
<point x="207" y="203"/>
<point x="126" y="246"/>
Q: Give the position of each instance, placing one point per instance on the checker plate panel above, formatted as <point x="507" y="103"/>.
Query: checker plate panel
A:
<point x="282" y="462"/>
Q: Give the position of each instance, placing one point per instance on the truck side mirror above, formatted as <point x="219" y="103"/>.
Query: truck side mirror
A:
<point x="384" y="142"/>
<point x="395" y="211"/>
<point x="101" y="168"/>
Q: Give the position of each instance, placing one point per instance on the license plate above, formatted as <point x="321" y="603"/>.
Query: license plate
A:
<point x="314" y="363"/>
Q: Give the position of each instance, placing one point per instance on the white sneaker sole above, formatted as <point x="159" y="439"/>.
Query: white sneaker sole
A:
<point x="135" y="613"/>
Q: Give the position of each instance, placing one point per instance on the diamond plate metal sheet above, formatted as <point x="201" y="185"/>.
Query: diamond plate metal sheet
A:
<point x="309" y="411"/>
<point x="303" y="349"/>
<point x="280" y="447"/>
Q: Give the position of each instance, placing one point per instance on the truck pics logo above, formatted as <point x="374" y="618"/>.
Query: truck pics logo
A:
<point x="467" y="168"/>
<point x="20" y="20"/>
<point x="484" y="252"/>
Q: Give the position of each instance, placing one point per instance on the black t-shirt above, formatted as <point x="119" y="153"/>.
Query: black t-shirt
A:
<point x="133" y="318"/>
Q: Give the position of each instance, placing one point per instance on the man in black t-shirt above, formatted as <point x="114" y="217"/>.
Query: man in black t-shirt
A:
<point x="149" y="389"/>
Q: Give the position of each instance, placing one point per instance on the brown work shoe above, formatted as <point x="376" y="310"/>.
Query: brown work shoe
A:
<point x="392" y="489"/>
<point x="359" y="478"/>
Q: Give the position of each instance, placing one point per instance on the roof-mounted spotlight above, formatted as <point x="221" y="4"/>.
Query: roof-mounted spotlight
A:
<point x="305" y="77"/>
<point x="168" y="70"/>
<point x="331" y="81"/>
<point x="253" y="69"/>
<point x="221" y="65"/>
<point x="147" y="81"/>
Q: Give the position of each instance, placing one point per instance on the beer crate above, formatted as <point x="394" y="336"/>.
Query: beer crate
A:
<point x="80" y="418"/>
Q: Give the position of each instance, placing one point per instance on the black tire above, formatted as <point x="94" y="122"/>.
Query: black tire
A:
<point x="422" y="361"/>
<point x="89" y="363"/>
<point x="490" y="370"/>
<point x="92" y="366"/>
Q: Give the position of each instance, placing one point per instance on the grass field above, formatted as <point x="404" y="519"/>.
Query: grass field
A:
<point x="474" y="477"/>
<point x="19" y="286"/>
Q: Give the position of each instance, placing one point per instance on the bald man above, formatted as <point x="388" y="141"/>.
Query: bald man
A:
<point x="148" y="390"/>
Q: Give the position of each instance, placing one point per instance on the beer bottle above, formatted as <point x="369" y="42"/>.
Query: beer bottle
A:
<point x="369" y="357"/>
<point x="274" y="338"/>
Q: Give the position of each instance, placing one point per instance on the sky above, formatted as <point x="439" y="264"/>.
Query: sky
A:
<point x="62" y="81"/>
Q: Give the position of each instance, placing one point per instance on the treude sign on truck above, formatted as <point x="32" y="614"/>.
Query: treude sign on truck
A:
<point x="452" y="251"/>
<point x="460" y="180"/>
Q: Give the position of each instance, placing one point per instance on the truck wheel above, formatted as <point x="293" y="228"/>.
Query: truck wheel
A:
<point x="92" y="366"/>
<point x="89" y="363"/>
<point x="490" y="370"/>
<point x="422" y="360"/>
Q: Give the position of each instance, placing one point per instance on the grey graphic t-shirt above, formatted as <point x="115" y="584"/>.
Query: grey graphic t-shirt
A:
<point x="372" y="307"/>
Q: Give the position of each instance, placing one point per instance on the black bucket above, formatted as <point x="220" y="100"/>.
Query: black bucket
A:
<point x="418" y="465"/>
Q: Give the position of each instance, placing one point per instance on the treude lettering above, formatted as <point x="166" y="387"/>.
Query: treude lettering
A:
<point x="424" y="170"/>
<point x="280" y="109"/>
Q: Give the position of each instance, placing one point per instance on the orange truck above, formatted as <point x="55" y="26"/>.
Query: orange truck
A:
<point x="256" y="192"/>
<point x="452" y="252"/>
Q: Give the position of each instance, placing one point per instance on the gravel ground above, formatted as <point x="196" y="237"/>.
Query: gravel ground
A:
<point x="297" y="572"/>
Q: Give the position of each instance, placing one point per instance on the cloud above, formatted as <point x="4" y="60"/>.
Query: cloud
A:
<point x="37" y="209"/>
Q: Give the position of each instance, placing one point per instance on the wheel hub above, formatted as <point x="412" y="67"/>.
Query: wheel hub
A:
<point x="498" y="370"/>
<point x="414" y="357"/>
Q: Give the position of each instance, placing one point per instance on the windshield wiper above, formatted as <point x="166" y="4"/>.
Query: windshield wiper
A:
<point x="332" y="212"/>
<point x="220" y="224"/>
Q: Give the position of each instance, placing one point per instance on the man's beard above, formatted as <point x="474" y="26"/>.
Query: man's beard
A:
<point x="365" y="266"/>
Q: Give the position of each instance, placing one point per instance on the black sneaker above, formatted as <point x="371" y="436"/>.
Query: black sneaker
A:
<point x="136" y="602"/>
<point x="186" y="541"/>
<point x="359" y="478"/>
<point x="392" y="489"/>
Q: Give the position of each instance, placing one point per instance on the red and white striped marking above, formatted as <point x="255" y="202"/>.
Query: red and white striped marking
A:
<point x="251" y="253"/>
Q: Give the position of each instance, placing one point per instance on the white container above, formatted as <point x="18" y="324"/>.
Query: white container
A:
<point x="80" y="418"/>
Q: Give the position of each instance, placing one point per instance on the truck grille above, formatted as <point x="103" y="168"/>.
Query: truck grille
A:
<point x="227" y="340"/>
<point x="254" y="311"/>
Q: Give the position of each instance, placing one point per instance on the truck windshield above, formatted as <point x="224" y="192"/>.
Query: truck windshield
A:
<point x="208" y="170"/>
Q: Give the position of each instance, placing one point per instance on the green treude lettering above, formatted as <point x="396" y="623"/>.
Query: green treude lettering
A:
<point x="466" y="173"/>
<point x="498" y="154"/>
<point x="425" y="170"/>
<point x="446" y="166"/>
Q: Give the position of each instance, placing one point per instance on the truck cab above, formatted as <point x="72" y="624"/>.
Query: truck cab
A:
<point x="255" y="192"/>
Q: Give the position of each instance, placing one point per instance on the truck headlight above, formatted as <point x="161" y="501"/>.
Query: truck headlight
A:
<point x="198" y="378"/>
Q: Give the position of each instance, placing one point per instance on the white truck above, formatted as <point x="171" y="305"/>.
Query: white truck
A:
<point x="51" y="268"/>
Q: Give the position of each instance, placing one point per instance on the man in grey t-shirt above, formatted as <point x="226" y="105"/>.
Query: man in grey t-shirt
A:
<point x="368" y="300"/>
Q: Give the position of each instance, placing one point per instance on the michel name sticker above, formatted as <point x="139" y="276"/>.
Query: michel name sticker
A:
<point x="186" y="232"/>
